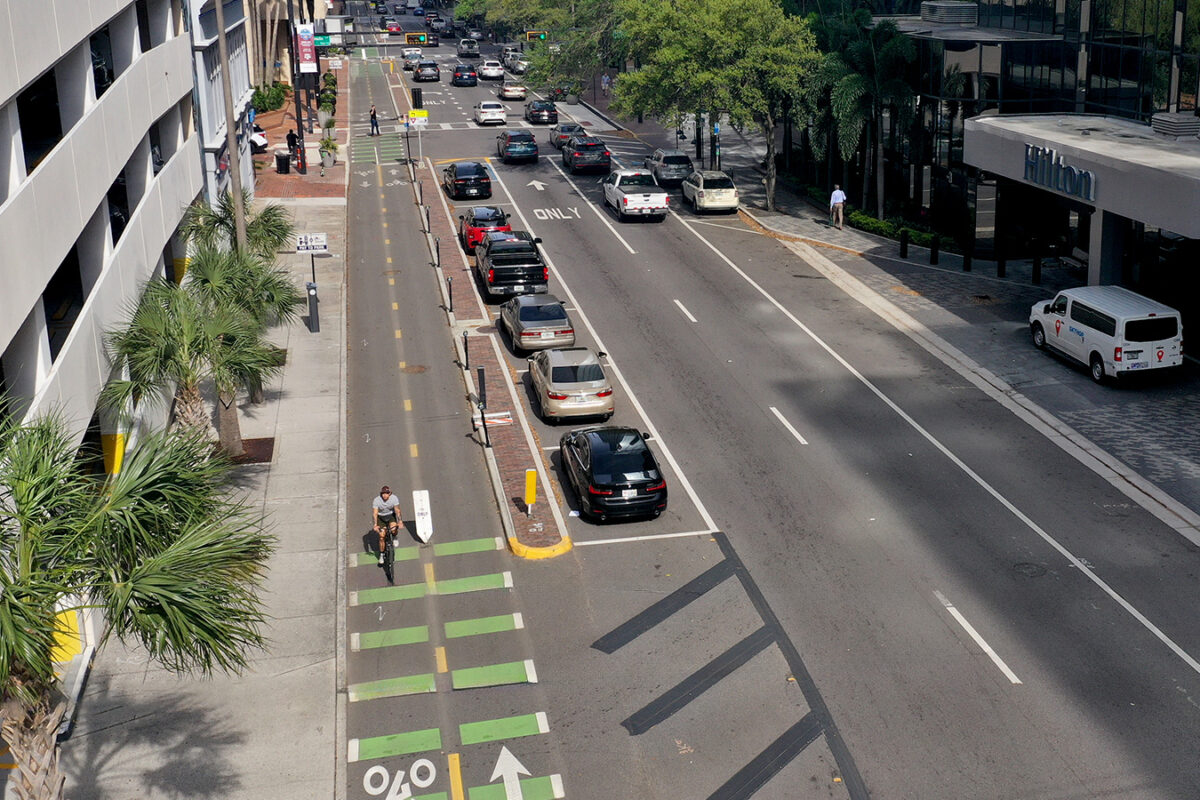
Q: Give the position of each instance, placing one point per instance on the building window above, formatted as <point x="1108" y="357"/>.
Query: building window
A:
<point x="62" y="300"/>
<point x="118" y="207"/>
<point x="103" y="67"/>
<point x="41" y="127"/>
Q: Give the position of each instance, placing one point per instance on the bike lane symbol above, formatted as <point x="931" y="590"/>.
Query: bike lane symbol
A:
<point x="377" y="780"/>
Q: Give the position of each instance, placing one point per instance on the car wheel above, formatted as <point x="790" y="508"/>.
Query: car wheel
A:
<point x="1039" y="336"/>
<point x="1097" y="369"/>
<point x="621" y="215"/>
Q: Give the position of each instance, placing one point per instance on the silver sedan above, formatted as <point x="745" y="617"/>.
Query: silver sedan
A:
<point x="536" y="322"/>
<point x="570" y="383"/>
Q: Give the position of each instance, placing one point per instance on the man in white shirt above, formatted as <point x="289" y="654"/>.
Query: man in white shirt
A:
<point x="386" y="512"/>
<point x="837" y="206"/>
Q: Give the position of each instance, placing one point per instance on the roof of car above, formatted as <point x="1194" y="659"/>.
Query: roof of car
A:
<point x="427" y="63"/>
<point x="625" y="173"/>
<point x="671" y="152"/>
<point x="490" y="104"/>
<point x="537" y="300"/>
<point x="570" y="356"/>
<point x="587" y="138"/>
<point x="712" y="173"/>
<point x="612" y="435"/>
<point x="484" y="212"/>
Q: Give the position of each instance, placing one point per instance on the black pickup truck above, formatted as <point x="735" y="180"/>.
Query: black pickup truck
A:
<point x="511" y="263"/>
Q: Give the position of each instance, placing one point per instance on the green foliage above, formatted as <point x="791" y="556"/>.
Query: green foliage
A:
<point x="269" y="99"/>
<point x="267" y="229"/>
<point x="329" y="144"/>
<point x="329" y="79"/>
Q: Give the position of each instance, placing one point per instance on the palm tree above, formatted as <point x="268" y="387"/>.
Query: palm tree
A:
<point x="267" y="229"/>
<point x="175" y="337"/>
<point x="158" y="549"/>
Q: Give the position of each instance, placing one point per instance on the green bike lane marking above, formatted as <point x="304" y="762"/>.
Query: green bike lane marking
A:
<point x="389" y="638"/>
<point x="392" y="687"/>
<point x="546" y="788"/>
<point x="412" y="742"/>
<point x="412" y="553"/>
<point x="494" y="675"/>
<point x="482" y="625"/>
<point x="412" y="591"/>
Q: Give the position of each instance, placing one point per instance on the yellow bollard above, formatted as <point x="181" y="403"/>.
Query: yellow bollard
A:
<point x="530" y="491"/>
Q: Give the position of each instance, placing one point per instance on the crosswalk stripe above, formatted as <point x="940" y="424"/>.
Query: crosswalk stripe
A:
<point x="392" y="687"/>
<point x="492" y="730"/>
<point x="494" y="675"/>
<point x="475" y="627"/>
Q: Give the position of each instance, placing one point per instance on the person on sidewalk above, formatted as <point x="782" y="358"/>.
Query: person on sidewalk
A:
<point x="292" y="142"/>
<point x="385" y="510"/>
<point x="374" y="122"/>
<point x="837" y="206"/>
<point x="604" y="84"/>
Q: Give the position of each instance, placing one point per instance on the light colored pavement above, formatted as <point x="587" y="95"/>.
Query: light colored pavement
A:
<point x="269" y="733"/>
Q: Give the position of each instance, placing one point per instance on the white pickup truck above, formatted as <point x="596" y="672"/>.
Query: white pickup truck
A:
<point x="633" y="192"/>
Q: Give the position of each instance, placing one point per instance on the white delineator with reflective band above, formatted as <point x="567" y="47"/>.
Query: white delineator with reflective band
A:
<point x="422" y="514"/>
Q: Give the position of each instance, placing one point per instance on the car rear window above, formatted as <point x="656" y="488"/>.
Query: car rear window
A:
<point x="570" y="129"/>
<point x="637" y="180"/>
<point x="490" y="216"/>
<point x="543" y="105"/>
<point x="523" y="138"/>
<point x="491" y="106"/>
<point x="1152" y="329"/>
<point x="577" y="373"/>
<point x="467" y="170"/>
<point x="677" y="160"/>
<point x="630" y="463"/>
<point x="718" y="183"/>
<point x="551" y="312"/>
<point x="590" y="146"/>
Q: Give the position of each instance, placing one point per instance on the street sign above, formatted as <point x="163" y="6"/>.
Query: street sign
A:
<point x="311" y="243"/>
<point x="322" y="40"/>
<point x="335" y="63"/>
<point x="419" y="117"/>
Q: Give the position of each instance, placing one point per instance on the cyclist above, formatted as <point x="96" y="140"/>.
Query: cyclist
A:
<point x="385" y="509"/>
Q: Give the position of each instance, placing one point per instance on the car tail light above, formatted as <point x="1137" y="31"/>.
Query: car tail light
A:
<point x="460" y="180"/>
<point x="1117" y="354"/>
<point x="604" y="393"/>
<point x="556" y="396"/>
<point x="700" y="194"/>
<point x="624" y="201"/>
<point x="594" y="490"/>
<point x="564" y="331"/>
<point x="530" y="334"/>
<point x="658" y="486"/>
<point x="491" y="276"/>
<point x="577" y="155"/>
<point x="545" y="273"/>
<point x="668" y="199"/>
<point x="607" y="153"/>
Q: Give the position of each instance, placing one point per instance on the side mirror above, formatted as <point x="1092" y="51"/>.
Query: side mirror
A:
<point x="460" y="216"/>
<point x="647" y="435"/>
<point x="601" y="354"/>
<point x="1046" y="308"/>
<point x="537" y="240"/>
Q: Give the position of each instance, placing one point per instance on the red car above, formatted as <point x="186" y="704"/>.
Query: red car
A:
<point x="478" y="221"/>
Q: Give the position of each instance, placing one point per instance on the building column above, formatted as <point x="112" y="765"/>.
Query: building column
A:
<point x="27" y="360"/>
<point x="94" y="247"/>
<point x="123" y="38"/>
<point x="1106" y="251"/>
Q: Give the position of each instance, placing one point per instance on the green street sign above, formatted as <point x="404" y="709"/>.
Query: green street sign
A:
<point x="321" y="41"/>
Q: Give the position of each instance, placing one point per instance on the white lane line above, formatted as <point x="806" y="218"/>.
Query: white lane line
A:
<point x="974" y="634"/>
<point x="600" y="215"/>
<point x="958" y="462"/>
<point x="744" y="229"/>
<point x="633" y="401"/>
<point x="647" y="538"/>
<point x="788" y="425"/>
<point x="686" y="313"/>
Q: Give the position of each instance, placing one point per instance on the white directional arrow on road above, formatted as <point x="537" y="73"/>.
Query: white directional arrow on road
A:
<point x="537" y="185"/>
<point x="509" y="768"/>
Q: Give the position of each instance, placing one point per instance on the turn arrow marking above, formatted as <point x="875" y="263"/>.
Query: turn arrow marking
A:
<point x="510" y="769"/>
<point x="537" y="185"/>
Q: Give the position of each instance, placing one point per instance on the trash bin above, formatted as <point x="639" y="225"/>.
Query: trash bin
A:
<point x="282" y="162"/>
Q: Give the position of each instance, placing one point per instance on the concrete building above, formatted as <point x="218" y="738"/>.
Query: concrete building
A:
<point x="99" y="158"/>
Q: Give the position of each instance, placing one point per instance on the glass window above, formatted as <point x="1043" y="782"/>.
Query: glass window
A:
<point x="103" y="67"/>
<point x="577" y="373"/>
<point x="1086" y="315"/>
<point x="551" y="312"/>
<point x="1155" y="329"/>
<point x="41" y="126"/>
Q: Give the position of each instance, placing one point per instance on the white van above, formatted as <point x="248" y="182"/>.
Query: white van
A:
<point x="1109" y="328"/>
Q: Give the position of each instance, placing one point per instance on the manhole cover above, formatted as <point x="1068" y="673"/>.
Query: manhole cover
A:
<point x="413" y="369"/>
<point x="1029" y="570"/>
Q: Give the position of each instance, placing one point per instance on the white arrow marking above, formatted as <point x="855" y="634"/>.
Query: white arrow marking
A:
<point x="509" y="768"/>
<point x="537" y="185"/>
<point x="364" y="184"/>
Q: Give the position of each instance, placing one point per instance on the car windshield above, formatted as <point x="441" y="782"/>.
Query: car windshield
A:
<point x="718" y="183"/>
<point x="549" y="312"/>
<point x="637" y="180"/>
<point x="677" y="160"/>
<point x="622" y="456"/>
<point x="577" y="373"/>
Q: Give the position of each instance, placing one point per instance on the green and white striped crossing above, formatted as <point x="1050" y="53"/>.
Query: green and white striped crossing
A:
<point x="481" y="625"/>
<point x="389" y="638"/>
<point x="545" y="788"/>
<point x="413" y="552"/>
<point x="382" y="148"/>
<point x="512" y="672"/>
<point x="392" y="687"/>
<point x="411" y="591"/>
<point x="469" y="733"/>
<point x="493" y="730"/>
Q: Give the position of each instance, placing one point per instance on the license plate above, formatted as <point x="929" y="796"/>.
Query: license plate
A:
<point x="472" y="191"/>
<point x="519" y="288"/>
<point x="1139" y="365"/>
<point x="628" y="493"/>
<point x="1132" y="356"/>
<point x="547" y="334"/>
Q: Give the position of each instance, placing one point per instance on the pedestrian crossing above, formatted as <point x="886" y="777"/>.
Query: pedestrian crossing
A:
<point x="387" y="146"/>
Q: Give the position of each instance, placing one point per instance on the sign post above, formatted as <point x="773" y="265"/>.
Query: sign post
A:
<point x="312" y="243"/>
<point x="419" y="117"/>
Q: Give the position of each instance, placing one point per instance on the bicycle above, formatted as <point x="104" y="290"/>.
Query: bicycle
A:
<point x="389" y="554"/>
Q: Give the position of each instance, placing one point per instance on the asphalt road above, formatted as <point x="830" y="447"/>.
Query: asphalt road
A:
<point x="879" y="584"/>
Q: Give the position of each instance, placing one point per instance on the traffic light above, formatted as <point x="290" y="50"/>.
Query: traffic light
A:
<point x="535" y="36"/>
<point x="416" y="99"/>
<point x="414" y="38"/>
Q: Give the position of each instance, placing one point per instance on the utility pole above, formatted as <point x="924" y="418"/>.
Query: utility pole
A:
<point x="235" y="160"/>
<point x="301" y="161"/>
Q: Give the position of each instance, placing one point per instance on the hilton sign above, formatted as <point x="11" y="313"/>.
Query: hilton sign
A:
<point x="1045" y="167"/>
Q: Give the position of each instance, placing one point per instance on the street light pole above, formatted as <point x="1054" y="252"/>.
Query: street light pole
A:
<point x="235" y="160"/>
<point x="301" y="160"/>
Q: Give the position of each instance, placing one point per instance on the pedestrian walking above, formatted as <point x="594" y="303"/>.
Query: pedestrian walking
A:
<point x="837" y="207"/>
<point x="374" y="122"/>
<point x="292" y="142"/>
<point x="604" y="84"/>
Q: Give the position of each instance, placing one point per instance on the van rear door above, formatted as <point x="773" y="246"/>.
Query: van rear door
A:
<point x="1152" y="341"/>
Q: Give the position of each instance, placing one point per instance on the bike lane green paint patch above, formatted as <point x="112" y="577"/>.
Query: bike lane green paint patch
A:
<point x="494" y="675"/>
<point x="475" y="583"/>
<point x="392" y="687"/>
<point x="389" y="638"/>
<point x="546" y="788"/>
<point x="481" y="625"/>
<point x="468" y="546"/>
<point x="387" y="594"/>
<point x="372" y="559"/>
<point x="395" y="744"/>
<point x="492" y="730"/>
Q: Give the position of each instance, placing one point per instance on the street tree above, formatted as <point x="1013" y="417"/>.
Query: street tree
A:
<point x="159" y="550"/>
<point x="267" y="230"/>
<point x="176" y="338"/>
<point x="743" y="58"/>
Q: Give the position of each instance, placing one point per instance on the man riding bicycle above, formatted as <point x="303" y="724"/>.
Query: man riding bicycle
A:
<point x="386" y="512"/>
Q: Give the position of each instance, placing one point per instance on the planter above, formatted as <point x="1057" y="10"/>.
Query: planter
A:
<point x="328" y="158"/>
<point x="572" y="99"/>
<point x="323" y="117"/>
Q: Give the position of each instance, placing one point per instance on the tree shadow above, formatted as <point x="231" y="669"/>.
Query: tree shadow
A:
<point x="108" y="748"/>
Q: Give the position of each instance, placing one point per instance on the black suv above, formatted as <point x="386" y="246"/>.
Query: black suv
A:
<point x="467" y="179"/>
<point x="427" y="71"/>
<point x="541" y="111"/>
<point x="586" y="152"/>
<point x="464" y="75"/>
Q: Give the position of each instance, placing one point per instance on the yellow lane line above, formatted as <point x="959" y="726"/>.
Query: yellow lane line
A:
<point x="408" y="405"/>
<point x="440" y="654"/>
<point x="412" y="450"/>
<point x="453" y="763"/>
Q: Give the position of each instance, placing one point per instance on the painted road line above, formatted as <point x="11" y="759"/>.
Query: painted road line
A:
<point x="387" y="594"/>
<point x="430" y="580"/>
<point x="395" y="744"/>
<point x="547" y="788"/>
<point x="389" y="638"/>
<point x="686" y="313"/>
<point x="439" y="654"/>
<point x="476" y="583"/>
<point x="647" y="538"/>
<point x="468" y="546"/>
<point x="392" y="687"/>
<point x="454" y="767"/>
<point x="372" y="560"/>
<point x="492" y="730"/>
<point x="979" y="640"/>
<point x="494" y="675"/>
<point x="788" y="425"/>
<point x="482" y="625"/>
<point x="412" y="450"/>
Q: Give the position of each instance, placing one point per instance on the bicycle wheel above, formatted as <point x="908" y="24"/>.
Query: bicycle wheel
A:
<point x="389" y="557"/>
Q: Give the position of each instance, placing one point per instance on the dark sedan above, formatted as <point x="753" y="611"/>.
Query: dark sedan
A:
<point x="516" y="146"/>
<point x="467" y="179"/>
<point x="614" y="472"/>
<point x="541" y="111"/>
